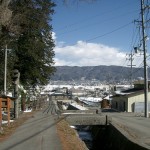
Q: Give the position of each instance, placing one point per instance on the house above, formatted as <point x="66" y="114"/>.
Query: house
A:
<point x="129" y="100"/>
<point x="58" y="95"/>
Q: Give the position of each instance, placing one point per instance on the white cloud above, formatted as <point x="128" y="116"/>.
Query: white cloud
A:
<point x="91" y="54"/>
<point x="87" y="54"/>
<point x="54" y="36"/>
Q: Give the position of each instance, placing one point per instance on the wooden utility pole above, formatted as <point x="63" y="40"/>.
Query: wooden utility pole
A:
<point x="145" y="63"/>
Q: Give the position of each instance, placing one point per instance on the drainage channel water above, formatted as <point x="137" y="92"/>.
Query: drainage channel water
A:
<point x="105" y="138"/>
<point x="95" y="138"/>
<point x="85" y="135"/>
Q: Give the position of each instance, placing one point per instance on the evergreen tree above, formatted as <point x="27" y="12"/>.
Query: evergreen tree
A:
<point x="29" y="34"/>
<point x="5" y="15"/>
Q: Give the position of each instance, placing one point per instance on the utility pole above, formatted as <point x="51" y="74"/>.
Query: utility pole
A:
<point x="145" y="63"/>
<point x="5" y="71"/>
<point x="131" y="65"/>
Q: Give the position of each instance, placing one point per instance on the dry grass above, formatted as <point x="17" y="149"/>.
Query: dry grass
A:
<point x="69" y="137"/>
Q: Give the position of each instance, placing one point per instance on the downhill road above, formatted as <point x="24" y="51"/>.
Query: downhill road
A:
<point x="38" y="133"/>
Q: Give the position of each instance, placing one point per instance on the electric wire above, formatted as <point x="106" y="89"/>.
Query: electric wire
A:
<point x="110" y="33"/>
<point x="121" y="27"/>
<point x="94" y="16"/>
<point x="94" y="24"/>
<point x="139" y="68"/>
<point x="133" y="41"/>
<point x="134" y="38"/>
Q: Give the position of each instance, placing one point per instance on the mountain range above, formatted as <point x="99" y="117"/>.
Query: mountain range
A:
<point x="102" y="73"/>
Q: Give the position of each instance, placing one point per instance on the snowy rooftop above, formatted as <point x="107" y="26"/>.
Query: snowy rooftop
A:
<point x="78" y="106"/>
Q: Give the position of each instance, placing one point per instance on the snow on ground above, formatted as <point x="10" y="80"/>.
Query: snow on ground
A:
<point x="5" y="122"/>
<point x="28" y="110"/>
<point x="78" y="106"/>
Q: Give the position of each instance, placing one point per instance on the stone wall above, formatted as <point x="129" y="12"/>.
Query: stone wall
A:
<point x="110" y="138"/>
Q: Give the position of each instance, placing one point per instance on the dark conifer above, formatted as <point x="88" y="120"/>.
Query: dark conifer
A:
<point x="28" y="33"/>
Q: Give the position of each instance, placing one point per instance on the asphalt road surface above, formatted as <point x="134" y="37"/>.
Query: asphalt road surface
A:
<point x="135" y="127"/>
<point x="38" y="133"/>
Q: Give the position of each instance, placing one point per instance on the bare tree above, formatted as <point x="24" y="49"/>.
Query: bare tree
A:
<point x="5" y="12"/>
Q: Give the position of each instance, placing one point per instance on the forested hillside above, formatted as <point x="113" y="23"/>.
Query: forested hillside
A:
<point x="102" y="73"/>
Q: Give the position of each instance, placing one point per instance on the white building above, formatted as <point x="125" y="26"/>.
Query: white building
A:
<point x="127" y="100"/>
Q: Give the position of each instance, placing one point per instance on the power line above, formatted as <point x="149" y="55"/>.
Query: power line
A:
<point x="94" y="16"/>
<point x="93" y="24"/>
<point x="121" y="27"/>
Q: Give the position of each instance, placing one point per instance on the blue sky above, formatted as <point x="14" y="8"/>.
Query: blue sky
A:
<point x="95" y="33"/>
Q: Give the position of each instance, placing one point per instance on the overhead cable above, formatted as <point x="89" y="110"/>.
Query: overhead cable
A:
<point x="121" y="27"/>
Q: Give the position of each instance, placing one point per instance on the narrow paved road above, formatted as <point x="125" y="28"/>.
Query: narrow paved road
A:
<point x="38" y="133"/>
<point x="137" y="128"/>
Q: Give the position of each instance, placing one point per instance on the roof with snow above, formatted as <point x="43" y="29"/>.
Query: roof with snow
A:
<point x="129" y="92"/>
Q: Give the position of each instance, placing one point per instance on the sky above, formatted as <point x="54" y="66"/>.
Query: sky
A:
<point x="101" y="32"/>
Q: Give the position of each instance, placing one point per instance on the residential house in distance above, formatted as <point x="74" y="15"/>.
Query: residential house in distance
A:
<point x="131" y="100"/>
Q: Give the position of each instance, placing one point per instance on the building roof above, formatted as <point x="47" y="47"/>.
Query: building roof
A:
<point x="5" y="96"/>
<point x="140" y="82"/>
<point x="129" y="92"/>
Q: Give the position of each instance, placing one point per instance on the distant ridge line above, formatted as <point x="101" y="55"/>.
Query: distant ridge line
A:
<point x="101" y="72"/>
